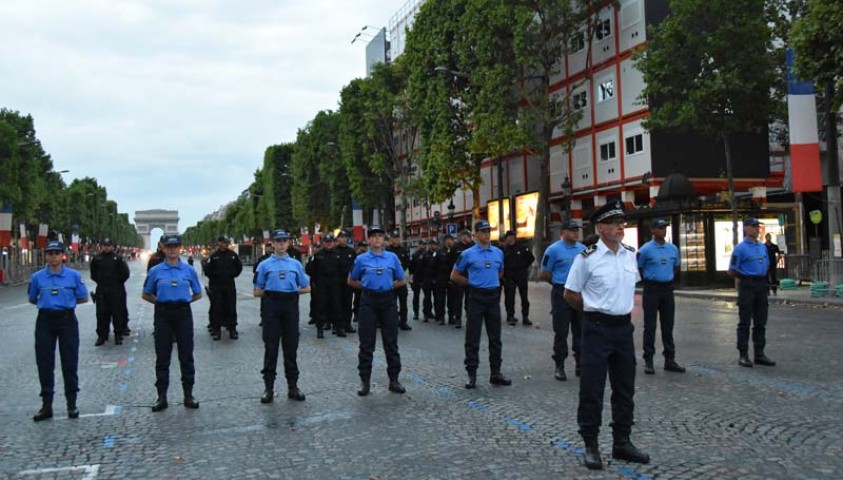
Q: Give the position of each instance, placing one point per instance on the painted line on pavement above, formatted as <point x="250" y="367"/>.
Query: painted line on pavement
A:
<point x="109" y="441"/>
<point x="109" y="410"/>
<point x="90" y="471"/>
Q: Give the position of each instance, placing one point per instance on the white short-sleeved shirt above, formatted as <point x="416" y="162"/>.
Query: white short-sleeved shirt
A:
<point x="605" y="279"/>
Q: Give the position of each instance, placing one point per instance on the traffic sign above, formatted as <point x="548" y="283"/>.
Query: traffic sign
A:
<point x="451" y="228"/>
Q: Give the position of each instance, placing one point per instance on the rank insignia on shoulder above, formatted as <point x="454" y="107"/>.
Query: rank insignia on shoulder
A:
<point x="588" y="251"/>
<point x="631" y="249"/>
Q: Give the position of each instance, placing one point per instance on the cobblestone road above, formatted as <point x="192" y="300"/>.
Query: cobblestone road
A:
<point x="716" y="421"/>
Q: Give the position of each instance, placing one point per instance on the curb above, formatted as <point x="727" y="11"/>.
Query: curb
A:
<point x="814" y="302"/>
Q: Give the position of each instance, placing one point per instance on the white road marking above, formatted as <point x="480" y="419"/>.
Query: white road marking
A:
<point x="90" y="471"/>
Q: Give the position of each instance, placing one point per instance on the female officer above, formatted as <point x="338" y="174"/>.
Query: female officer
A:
<point x="172" y="286"/>
<point x="56" y="290"/>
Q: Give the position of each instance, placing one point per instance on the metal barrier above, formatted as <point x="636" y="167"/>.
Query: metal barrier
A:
<point x="797" y="267"/>
<point x="828" y="270"/>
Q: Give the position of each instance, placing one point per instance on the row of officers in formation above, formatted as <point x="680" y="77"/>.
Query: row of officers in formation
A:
<point x="592" y="298"/>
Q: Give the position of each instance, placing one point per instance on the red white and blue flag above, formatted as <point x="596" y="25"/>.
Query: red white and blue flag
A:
<point x="805" y="171"/>
<point x="5" y="225"/>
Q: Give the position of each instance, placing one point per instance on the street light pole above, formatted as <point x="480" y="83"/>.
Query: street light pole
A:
<point x="500" y="200"/>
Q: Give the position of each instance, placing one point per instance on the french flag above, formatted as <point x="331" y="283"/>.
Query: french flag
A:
<point x="805" y="171"/>
<point x="24" y="242"/>
<point x="41" y="241"/>
<point x="358" y="231"/>
<point x="6" y="225"/>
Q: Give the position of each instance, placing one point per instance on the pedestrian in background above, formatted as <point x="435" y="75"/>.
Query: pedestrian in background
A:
<point x="221" y="268"/>
<point x="482" y="264"/>
<point x="773" y="253"/>
<point x="517" y="260"/>
<point x="280" y="281"/>
<point x="601" y="284"/>
<point x="347" y="257"/>
<point x="658" y="262"/>
<point x="56" y="290"/>
<point x="461" y="291"/>
<point x="429" y="275"/>
<point x="110" y="273"/>
<point x="556" y="264"/>
<point x="327" y="272"/>
<point x="394" y="245"/>
<point x="417" y="276"/>
<point x="378" y="273"/>
<point x="749" y="263"/>
<point x="172" y="286"/>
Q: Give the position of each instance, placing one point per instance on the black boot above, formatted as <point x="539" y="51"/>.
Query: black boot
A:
<point x="365" y="386"/>
<point x="269" y="393"/>
<point x="46" y="409"/>
<point x="189" y="401"/>
<point x="350" y="329"/>
<point x="396" y="387"/>
<point x="472" y="380"/>
<point x="320" y="333"/>
<point x="592" y="454"/>
<point x="293" y="392"/>
<point x="560" y="372"/>
<point x="72" y="411"/>
<point x="404" y="326"/>
<point x="649" y="369"/>
<point x="744" y="360"/>
<point x="497" y="378"/>
<point x="161" y="403"/>
<point x="670" y="365"/>
<point x="526" y="322"/>
<point x="623" y="449"/>
<point x="577" y="368"/>
<point x="764" y="360"/>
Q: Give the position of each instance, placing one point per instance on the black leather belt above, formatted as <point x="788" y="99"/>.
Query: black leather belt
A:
<point x="754" y="278"/>
<point x="280" y="295"/>
<point x="607" y="320"/>
<point x="56" y="313"/>
<point x="378" y="293"/>
<point x="653" y="283"/>
<point x="484" y="291"/>
<point x="172" y="305"/>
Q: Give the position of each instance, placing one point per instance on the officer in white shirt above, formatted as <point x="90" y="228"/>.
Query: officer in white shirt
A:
<point x="601" y="284"/>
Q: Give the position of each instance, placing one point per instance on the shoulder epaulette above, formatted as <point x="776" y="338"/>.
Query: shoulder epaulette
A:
<point x="631" y="249"/>
<point x="588" y="251"/>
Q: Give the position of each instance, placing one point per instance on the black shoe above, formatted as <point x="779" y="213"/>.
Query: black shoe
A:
<point x="72" y="412"/>
<point x="127" y="332"/>
<point x="672" y="366"/>
<point x="649" y="369"/>
<point x="350" y="330"/>
<point x="232" y="334"/>
<point x="311" y="322"/>
<point x="458" y="325"/>
<point x="441" y="322"/>
<point x="578" y="369"/>
<point x="415" y="315"/>
<point x="764" y="360"/>
<point x="293" y="393"/>
<point x="512" y="321"/>
<point x="341" y="333"/>
<point x="100" y="341"/>
<point x="560" y="373"/>
<point x="320" y="333"/>
<point x="629" y="452"/>
<point x="472" y="381"/>
<point x="527" y="322"/>
<point x="365" y="386"/>
<point x="160" y="404"/>
<point x="744" y="361"/>
<point x="268" y="395"/>
<point x="216" y="335"/>
<point x="426" y="319"/>
<point x="499" y="379"/>
<point x="43" y="414"/>
<point x="190" y="402"/>
<point x="118" y="340"/>
<point x="592" y="455"/>
<point x="396" y="387"/>
<point x="404" y="326"/>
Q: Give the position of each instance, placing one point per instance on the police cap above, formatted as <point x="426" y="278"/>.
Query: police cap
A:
<point x="448" y="236"/>
<point x="328" y="237"/>
<point x="433" y="241"/>
<point x="571" y="225"/>
<point x="223" y="238"/>
<point x="751" y="222"/>
<point x="509" y="233"/>
<point x="613" y="209"/>
<point x="482" y="225"/>
<point x="375" y="230"/>
<point x="54" y="246"/>
<point x="171" y="240"/>
<point x="659" y="223"/>
<point x="280" y="234"/>
<point x="343" y="233"/>
<point x="108" y="241"/>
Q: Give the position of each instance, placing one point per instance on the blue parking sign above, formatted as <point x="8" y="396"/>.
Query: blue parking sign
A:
<point x="451" y="228"/>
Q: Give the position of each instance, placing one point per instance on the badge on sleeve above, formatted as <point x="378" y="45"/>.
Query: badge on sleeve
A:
<point x="488" y="264"/>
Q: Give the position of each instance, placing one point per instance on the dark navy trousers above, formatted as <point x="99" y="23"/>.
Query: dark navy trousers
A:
<point x="281" y="328"/>
<point x="378" y="310"/>
<point x="170" y="321"/>
<point x="60" y="327"/>
<point x="658" y="301"/>
<point x="565" y="319"/>
<point x="484" y="306"/>
<point x="752" y="311"/>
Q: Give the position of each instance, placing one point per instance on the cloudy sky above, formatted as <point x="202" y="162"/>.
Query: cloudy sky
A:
<point x="171" y="103"/>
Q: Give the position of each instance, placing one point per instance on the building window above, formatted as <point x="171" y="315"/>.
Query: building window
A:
<point x="578" y="42"/>
<point x="635" y="144"/>
<point x="603" y="29"/>
<point x="607" y="151"/>
<point x="580" y="100"/>
<point x="606" y="90"/>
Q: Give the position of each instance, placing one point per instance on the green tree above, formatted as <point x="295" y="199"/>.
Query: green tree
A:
<point x="707" y="69"/>
<point x="817" y="38"/>
<point x="320" y="185"/>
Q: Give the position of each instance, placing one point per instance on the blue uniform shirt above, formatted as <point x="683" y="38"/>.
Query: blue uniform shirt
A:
<point x="281" y="274"/>
<point x="482" y="265"/>
<point x="377" y="271"/>
<point x="750" y="259"/>
<point x="172" y="283"/>
<point x="56" y="291"/>
<point x="657" y="262"/>
<point x="558" y="259"/>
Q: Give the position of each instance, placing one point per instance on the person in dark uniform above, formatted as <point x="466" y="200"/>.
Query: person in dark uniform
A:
<point x="280" y="281"/>
<point x="429" y="275"/>
<point x="601" y="284"/>
<point x="156" y="258"/>
<point x="347" y="256"/>
<point x="327" y="272"/>
<point x="556" y="264"/>
<point x="378" y="273"/>
<point x="773" y="253"/>
<point x="658" y="261"/>
<point x="417" y="276"/>
<point x="517" y="259"/>
<point x="221" y="268"/>
<point x="269" y="249"/>
<point x="172" y="286"/>
<point x="110" y="273"/>
<point x="394" y="246"/>
<point x="442" y="268"/>
<point x="314" y="290"/>
<point x="483" y="264"/>
<point x="56" y="290"/>
<point x="750" y="264"/>
<point x="362" y="248"/>
<point x="453" y="291"/>
<point x="465" y="242"/>
<point x="293" y="252"/>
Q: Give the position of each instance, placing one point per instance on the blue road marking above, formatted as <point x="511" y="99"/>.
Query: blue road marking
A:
<point x="127" y="372"/>
<point x="568" y="447"/>
<point x="478" y="406"/>
<point x="108" y="441"/>
<point x="122" y="388"/>
<point x="519" y="424"/>
<point x="629" y="473"/>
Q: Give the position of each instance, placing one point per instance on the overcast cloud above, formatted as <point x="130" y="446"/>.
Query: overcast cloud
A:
<point x="171" y="103"/>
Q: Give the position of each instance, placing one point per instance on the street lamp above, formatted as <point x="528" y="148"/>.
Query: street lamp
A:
<point x="566" y="194"/>
<point x="364" y="32"/>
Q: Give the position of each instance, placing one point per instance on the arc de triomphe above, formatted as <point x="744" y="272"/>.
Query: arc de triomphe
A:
<point x="147" y="220"/>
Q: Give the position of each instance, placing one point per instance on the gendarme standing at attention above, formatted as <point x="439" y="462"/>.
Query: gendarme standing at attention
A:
<point x="601" y="284"/>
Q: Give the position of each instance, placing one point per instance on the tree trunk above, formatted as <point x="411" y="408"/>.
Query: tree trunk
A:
<point x="541" y="230"/>
<point x="733" y="202"/>
<point x="475" y="208"/>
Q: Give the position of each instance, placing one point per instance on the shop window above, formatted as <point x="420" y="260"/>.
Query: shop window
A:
<point x="635" y="144"/>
